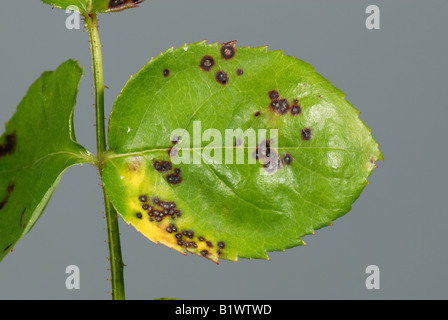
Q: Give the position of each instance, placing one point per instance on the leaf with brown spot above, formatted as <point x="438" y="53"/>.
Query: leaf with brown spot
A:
<point x="38" y="146"/>
<point x="286" y="187"/>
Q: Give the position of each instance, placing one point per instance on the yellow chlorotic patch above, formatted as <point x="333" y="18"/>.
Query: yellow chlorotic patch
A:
<point x="154" y="210"/>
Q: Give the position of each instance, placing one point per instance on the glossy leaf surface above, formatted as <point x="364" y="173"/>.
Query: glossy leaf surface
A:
<point x="38" y="145"/>
<point x="169" y="172"/>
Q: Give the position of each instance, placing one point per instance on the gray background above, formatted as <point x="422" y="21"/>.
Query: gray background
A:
<point x="395" y="76"/>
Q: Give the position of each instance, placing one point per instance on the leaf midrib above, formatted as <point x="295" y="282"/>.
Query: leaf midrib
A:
<point x="112" y="155"/>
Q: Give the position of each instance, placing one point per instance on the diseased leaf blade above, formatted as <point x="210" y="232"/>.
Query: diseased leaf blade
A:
<point x="229" y="210"/>
<point x="86" y="7"/>
<point x="37" y="147"/>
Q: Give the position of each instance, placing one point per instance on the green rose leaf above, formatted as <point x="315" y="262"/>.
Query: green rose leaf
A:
<point x="38" y="145"/>
<point x="86" y="7"/>
<point x="184" y="169"/>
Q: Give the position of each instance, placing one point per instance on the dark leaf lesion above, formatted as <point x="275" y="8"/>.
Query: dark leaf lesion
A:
<point x="9" y="190"/>
<point x="8" y="147"/>
<point x="306" y="134"/>
<point x="116" y="4"/>
<point x="22" y="218"/>
<point x="7" y="247"/>
<point x="228" y="50"/>
<point x="207" y="63"/>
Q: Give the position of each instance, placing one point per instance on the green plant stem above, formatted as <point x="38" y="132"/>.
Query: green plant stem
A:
<point x="116" y="261"/>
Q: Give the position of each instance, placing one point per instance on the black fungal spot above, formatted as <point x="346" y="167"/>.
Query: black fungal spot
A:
<point x="190" y="244"/>
<point x="306" y="134"/>
<point x="138" y="215"/>
<point x="166" y="165"/>
<point x="284" y="106"/>
<point x="9" y="190"/>
<point x="171" y="228"/>
<point x="162" y="166"/>
<point x="222" y="77"/>
<point x="280" y="106"/>
<point x="173" y="179"/>
<point x="166" y="208"/>
<point x="145" y="207"/>
<point x="239" y="72"/>
<point x="177" y="171"/>
<point x="221" y="244"/>
<point x="7" y="247"/>
<point x="257" y="114"/>
<point x="287" y="159"/>
<point x="180" y="242"/>
<point x="166" y="73"/>
<point x="295" y="110"/>
<point x="273" y="95"/>
<point x="167" y="205"/>
<point x="143" y="198"/>
<point x="113" y="4"/>
<point x="178" y="236"/>
<point x="275" y="105"/>
<point x="204" y="253"/>
<point x="201" y="239"/>
<point x="207" y="63"/>
<point x="228" y="51"/>
<point x="119" y="4"/>
<point x="209" y="244"/>
<point x="22" y="216"/>
<point x="9" y="146"/>
<point x="188" y="233"/>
